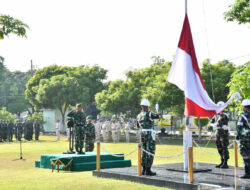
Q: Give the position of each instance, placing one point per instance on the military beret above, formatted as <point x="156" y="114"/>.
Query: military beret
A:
<point x="78" y="105"/>
<point x="89" y="117"/>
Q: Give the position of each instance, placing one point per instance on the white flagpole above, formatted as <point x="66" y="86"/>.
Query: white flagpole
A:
<point x="185" y="6"/>
<point x="187" y="134"/>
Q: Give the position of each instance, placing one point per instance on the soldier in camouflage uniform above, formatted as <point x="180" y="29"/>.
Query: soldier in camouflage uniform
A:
<point x="243" y="137"/>
<point x="145" y="121"/>
<point x="79" y="126"/>
<point x="5" y="130"/>
<point x="37" y="130"/>
<point x="89" y="135"/>
<point x="1" y="131"/>
<point x="222" y="136"/>
<point x="10" y="127"/>
<point x="20" y="129"/>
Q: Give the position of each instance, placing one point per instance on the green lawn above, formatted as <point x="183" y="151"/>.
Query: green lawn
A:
<point x="21" y="174"/>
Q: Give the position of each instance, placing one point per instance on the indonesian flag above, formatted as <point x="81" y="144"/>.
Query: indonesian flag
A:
<point x="185" y="74"/>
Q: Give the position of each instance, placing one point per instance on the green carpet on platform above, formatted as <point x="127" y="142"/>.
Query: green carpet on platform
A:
<point x="85" y="162"/>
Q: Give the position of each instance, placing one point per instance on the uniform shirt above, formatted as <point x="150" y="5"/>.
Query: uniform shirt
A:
<point x="90" y="131"/>
<point x="243" y="128"/>
<point x="145" y="120"/>
<point x="79" y="117"/>
<point x="221" y="119"/>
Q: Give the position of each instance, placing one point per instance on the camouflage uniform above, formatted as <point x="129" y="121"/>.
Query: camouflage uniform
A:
<point x="10" y="131"/>
<point x="79" y="124"/>
<point x="1" y="131"/>
<point x="89" y="137"/>
<point x="37" y="130"/>
<point x="5" y="130"/>
<point x="222" y="138"/>
<point x="146" y="123"/>
<point x="243" y="136"/>
<point x="20" y="129"/>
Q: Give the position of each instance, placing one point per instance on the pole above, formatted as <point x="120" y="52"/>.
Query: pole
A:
<point x="139" y="160"/>
<point x="187" y="142"/>
<point x="190" y="165"/>
<point x="21" y="151"/>
<point x="235" y="154"/>
<point x="185" y="6"/>
<point x="98" y="159"/>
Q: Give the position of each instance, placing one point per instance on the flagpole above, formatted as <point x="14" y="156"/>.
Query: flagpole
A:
<point x="185" y="6"/>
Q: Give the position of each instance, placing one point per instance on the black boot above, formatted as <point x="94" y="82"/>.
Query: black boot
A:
<point x="247" y="173"/>
<point x="224" y="165"/>
<point x="221" y="163"/>
<point x="143" y="170"/>
<point x="149" y="172"/>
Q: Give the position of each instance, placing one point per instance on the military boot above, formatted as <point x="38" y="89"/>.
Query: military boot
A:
<point x="224" y="165"/>
<point x="247" y="172"/>
<point x="149" y="172"/>
<point x="221" y="163"/>
<point x="143" y="170"/>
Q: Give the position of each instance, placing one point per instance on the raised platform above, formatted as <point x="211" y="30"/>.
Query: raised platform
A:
<point x="85" y="162"/>
<point x="214" y="179"/>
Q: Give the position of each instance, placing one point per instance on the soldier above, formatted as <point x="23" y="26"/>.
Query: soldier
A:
<point x="79" y="125"/>
<point x="145" y="121"/>
<point x="37" y="130"/>
<point x="20" y="129"/>
<point x="89" y="135"/>
<point x="243" y="137"/>
<point x="97" y="130"/>
<point x="114" y="131"/>
<point x="127" y="130"/>
<point x="10" y="130"/>
<point x="1" y="131"/>
<point x="25" y="129"/>
<point x="118" y="131"/>
<point x="5" y="130"/>
<point x="222" y="136"/>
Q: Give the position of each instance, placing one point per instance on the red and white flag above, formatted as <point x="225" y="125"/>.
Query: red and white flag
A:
<point x="185" y="74"/>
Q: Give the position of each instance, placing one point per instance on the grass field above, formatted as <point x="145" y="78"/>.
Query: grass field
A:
<point x="21" y="174"/>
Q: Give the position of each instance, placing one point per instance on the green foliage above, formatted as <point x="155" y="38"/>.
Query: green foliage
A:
<point x="36" y="117"/>
<point x="12" y="87"/>
<point x="182" y="128"/>
<point x="5" y="115"/>
<point x="239" y="11"/>
<point x="203" y="121"/>
<point x="221" y="74"/>
<point x="240" y="82"/>
<point x="10" y="25"/>
<point x="60" y="87"/>
<point x="125" y="96"/>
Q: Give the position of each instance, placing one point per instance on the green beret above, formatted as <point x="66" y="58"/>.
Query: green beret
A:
<point x="89" y="117"/>
<point x="78" y="105"/>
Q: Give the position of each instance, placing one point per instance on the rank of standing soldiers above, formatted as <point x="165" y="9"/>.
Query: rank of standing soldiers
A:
<point x="20" y="129"/>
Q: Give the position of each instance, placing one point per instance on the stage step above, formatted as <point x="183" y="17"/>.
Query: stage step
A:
<point x="85" y="162"/>
<point x="104" y="164"/>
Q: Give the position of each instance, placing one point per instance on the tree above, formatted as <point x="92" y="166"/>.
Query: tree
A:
<point x="221" y="74"/>
<point x="58" y="87"/>
<point x="10" y="25"/>
<point x="200" y="123"/>
<point x="240" y="82"/>
<point x="5" y="115"/>
<point x="239" y="11"/>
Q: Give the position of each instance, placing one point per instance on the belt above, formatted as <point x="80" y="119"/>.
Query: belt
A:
<point x="147" y="130"/>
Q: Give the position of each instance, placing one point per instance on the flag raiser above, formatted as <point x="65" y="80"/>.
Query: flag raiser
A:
<point x="185" y="74"/>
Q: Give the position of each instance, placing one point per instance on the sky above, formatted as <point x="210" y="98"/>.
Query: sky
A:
<point x="119" y="34"/>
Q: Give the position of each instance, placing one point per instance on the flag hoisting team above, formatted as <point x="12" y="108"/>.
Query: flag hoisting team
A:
<point x="88" y="131"/>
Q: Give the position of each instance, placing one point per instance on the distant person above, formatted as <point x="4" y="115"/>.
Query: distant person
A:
<point x="89" y="135"/>
<point x="79" y="126"/>
<point x="222" y="136"/>
<point x="145" y="121"/>
<point x="127" y="131"/>
<point x="243" y="137"/>
<point x="37" y="129"/>
<point x="57" y="129"/>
